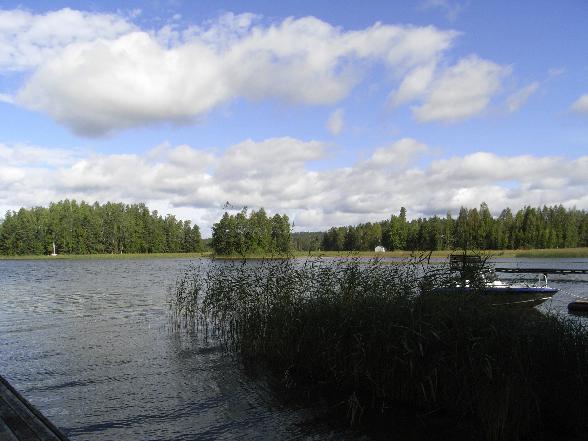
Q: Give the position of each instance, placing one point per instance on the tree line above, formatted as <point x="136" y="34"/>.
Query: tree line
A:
<point x="253" y="233"/>
<point x="81" y="228"/>
<point x="529" y="227"/>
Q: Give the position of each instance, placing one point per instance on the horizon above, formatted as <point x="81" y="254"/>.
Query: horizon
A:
<point x="333" y="115"/>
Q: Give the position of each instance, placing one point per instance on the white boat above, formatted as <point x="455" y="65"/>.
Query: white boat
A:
<point x="500" y="293"/>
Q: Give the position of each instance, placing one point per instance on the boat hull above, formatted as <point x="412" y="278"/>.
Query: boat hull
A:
<point x="507" y="295"/>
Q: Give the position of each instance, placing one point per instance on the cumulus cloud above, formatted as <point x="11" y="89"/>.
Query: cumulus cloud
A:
<point x="515" y="101"/>
<point x="581" y="105"/>
<point x="98" y="73"/>
<point x="276" y="174"/>
<point x="28" y="40"/>
<point x="414" y="85"/>
<point x="399" y="154"/>
<point x="462" y="91"/>
<point x="335" y="122"/>
<point x="25" y="154"/>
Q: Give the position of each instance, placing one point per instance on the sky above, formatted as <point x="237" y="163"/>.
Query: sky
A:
<point x="333" y="112"/>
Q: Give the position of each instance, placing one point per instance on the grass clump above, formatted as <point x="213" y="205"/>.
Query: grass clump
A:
<point x="380" y="346"/>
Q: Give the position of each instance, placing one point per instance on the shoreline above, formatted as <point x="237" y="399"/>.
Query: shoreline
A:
<point x="533" y="253"/>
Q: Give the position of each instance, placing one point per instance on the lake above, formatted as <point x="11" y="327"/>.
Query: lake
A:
<point x="90" y="344"/>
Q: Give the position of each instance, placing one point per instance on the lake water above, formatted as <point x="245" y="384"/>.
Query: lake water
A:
<point x="89" y="343"/>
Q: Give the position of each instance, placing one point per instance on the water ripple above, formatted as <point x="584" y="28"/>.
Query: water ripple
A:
<point x="88" y="343"/>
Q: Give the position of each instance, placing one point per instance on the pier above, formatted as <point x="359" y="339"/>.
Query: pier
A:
<point x="472" y="262"/>
<point x="541" y="270"/>
<point x="20" y="421"/>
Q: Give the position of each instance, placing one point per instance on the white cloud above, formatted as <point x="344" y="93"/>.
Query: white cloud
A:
<point x="103" y="86"/>
<point x="99" y="73"/>
<point x="581" y="104"/>
<point x="515" y="101"/>
<point x="268" y="158"/>
<point x="484" y="166"/>
<point x="28" y="40"/>
<point x="462" y="91"/>
<point x="275" y="174"/>
<point x="336" y="122"/>
<point x="25" y="154"/>
<point x="399" y="154"/>
<point x="414" y="85"/>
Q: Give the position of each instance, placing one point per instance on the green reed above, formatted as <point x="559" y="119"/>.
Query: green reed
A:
<point x="376" y="342"/>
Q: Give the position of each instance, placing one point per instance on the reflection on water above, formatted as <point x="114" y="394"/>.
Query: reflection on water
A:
<point x="88" y="342"/>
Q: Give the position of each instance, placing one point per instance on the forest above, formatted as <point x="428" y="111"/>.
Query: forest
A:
<point x="546" y="227"/>
<point x="253" y="233"/>
<point x="81" y="228"/>
<point x="114" y="228"/>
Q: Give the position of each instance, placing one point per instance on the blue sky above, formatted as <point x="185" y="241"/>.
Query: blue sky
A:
<point x="332" y="112"/>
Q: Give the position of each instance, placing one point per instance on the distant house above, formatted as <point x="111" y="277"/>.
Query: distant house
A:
<point x="380" y="249"/>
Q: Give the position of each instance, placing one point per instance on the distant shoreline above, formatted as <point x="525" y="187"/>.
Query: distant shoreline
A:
<point x="536" y="253"/>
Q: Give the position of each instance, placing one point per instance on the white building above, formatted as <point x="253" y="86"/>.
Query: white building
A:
<point x="380" y="249"/>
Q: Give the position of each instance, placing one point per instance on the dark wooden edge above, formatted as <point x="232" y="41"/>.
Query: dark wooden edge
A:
<point x="52" y="428"/>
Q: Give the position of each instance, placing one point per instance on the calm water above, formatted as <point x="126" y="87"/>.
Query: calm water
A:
<point x="89" y="343"/>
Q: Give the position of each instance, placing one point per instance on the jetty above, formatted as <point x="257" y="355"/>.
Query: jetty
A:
<point x="20" y="420"/>
<point x="473" y="262"/>
<point x="577" y="307"/>
<point x="541" y="270"/>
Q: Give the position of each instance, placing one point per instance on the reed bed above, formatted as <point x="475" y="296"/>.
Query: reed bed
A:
<point x="380" y="346"/>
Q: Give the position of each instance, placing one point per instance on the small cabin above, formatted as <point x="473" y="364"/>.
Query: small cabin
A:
<point x="380" y="249"/>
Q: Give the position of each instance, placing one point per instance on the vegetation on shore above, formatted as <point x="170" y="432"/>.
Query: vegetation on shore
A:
<point x="581" y="252"/>
<point x="81" y="228"/>
<point x="119" y="256"/>
<point x="245" y="234"/>
<point x="380" y="347"/>
<point x="116" y="228"/>
<point x="365" y="255"/>
<point x="528" y="228"/>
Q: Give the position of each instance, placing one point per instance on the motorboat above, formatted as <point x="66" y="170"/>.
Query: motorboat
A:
<point x="501" y="293"/>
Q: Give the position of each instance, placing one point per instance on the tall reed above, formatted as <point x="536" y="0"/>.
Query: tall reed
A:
<point x="378" y="342"/>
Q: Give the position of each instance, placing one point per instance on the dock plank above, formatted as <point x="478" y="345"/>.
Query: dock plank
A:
<point x="5" y="433"/>
<point x="20" y="420"/>
<point x="15" y="424"/>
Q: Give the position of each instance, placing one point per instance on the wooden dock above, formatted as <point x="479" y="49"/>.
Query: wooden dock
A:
<point x="541" y="270"/>
<point x="20" y="421"/>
